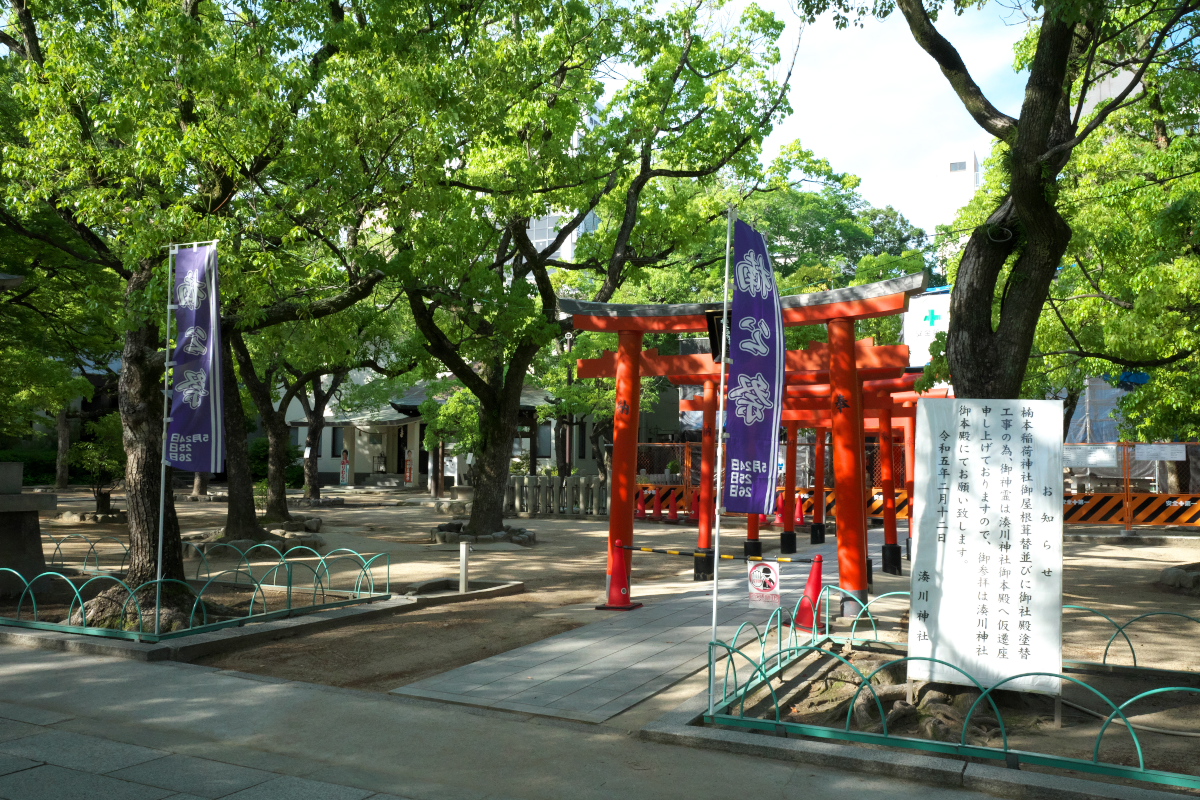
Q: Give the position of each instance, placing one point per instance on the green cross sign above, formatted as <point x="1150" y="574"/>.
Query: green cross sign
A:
<point x="932" y="317"/>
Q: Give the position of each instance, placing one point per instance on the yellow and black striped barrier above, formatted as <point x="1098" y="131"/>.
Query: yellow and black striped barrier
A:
<point x="698" y="554"/>
<point x="1148" y="509"/>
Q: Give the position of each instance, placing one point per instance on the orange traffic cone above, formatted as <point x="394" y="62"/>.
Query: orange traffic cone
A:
<point x="799" y="508"/>
<point x="694" y="507"/>
<point x="779" y="509"/>
<point x="658" y="504"/>
<point x="641" y="505"/>
<point x="673" y="507"/>
<point x="812" y="595"/>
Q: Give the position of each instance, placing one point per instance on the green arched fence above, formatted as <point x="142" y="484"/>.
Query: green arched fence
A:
<point x="277" y="582"/>
<point x="751" y="677"/>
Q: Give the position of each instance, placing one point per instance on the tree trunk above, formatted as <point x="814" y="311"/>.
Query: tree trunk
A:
<point x="140" y="398"/>
<point x="279" y="458"/>
<point x="498" y="428"/>
<point x="561" y="447"/>
<point x="141" y="403"/>
<point x="989" y="361"/>
<point x="602" y="431"/>
<point x="279" y="436"/>
<point x="1070" y="403"/>
<point x="312" y="480"/>
<point x="439" y="470"/>
<point x="314" y="415"/>
<point x="61" y="465"/>
<point x="242" y="519"/>
<point x="103" y="501"/>
<point x="1024" y="238"/>
<point x="200" y="482"/>
<point x="1179" y="477"/>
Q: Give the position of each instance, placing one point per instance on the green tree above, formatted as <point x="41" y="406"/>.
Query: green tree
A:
<point x="617" y="165"/>
<point x="1072" y="51"/>
<point x="136" y="124"/>
<point x="102" y="458"/>
<point x="1127" y="296"/>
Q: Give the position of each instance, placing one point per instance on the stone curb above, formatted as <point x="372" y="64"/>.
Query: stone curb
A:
<point x="680" y="727"/>
<point x="228" y="640"/>
<point x="1116" y="538"/>
<point x="487" y="589"/>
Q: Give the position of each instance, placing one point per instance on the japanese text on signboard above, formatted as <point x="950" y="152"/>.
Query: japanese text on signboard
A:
<point x="987" y="566"/>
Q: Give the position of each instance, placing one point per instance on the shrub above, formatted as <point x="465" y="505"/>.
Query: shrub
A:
<point x="39" y="464"/>
<point x="260" y="455"/>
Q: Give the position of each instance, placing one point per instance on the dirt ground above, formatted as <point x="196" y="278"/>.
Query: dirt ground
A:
<point x="564" y="579"/>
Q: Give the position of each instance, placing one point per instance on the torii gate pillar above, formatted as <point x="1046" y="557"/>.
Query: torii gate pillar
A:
<point x="891" y="548"/>
<point x="624" y="468"/>
<point x="846" y="412"/>
<point x="703" y="567"/>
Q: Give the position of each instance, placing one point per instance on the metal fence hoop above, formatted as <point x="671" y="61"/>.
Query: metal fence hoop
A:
<point x="1096" y="753"/>
<point x="1132" y="649"/>
<point x="1144" y="616"/>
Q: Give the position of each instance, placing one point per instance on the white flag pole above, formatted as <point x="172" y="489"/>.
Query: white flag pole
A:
<point x="712" y="672"/>
<point x="162" y="488"/>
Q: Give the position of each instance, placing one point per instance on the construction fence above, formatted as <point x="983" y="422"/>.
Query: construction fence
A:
<point x="1116" y="483"/>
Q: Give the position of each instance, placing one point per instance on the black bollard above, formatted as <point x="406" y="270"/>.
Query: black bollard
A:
<point x="816" y="533"/>
<point x="703" y="565"/>
<point x="891" y="559"/>
<point x="753" y="547"/>
<point x="787" y="542"/>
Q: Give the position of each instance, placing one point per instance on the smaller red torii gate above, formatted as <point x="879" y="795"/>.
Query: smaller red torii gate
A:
<point x="836" y="364"/>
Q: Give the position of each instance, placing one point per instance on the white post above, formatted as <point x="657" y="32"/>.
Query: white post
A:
<point x="712" y="672"/>
<point x="463" y="583"/>
<point x="162" y="480"/>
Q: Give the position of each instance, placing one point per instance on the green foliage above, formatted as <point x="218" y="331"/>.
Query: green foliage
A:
<point x="103" y="457"/>
<point x="260" y="459"/>
<point x="453" y="418"/>
<point x="40" y="464"/>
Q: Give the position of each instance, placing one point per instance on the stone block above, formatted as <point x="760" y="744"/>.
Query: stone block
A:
<point x="10" y="476"/>
<point x="312" y="524"/>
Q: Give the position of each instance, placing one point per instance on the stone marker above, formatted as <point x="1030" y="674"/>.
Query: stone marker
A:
<point x="20" y="530"/>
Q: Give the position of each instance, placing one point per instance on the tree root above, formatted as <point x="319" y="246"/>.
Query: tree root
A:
<point x="113" y="609"/>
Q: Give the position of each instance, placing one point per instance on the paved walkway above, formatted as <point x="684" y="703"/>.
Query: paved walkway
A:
<point x="592" y="673"/>
<point x="595" y="672"/>
<point x="89" y="728"/>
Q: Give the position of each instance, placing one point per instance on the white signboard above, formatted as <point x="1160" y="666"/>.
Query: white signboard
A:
<point x="765" y="582"/>
<point x="927" y="314"/>
<point x="1090" y="455"/>
<point x="987" y="559"/>
<point x="450" y="466"/>
<point x="1160" y="452"/>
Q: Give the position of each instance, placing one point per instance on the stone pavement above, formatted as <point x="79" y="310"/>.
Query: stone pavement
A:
<point x="595" y="672"/>
<point x="91" y="728"/>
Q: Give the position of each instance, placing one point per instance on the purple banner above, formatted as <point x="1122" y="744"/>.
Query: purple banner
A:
<point x="196" y="432"/>
<point x="756" y="379"/>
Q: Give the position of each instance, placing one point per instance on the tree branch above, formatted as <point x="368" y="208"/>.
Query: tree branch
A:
<point x="291" y="312"/>
<point x="986" y="115"/>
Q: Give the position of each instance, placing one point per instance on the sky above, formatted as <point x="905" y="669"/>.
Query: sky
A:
<point x="873" y="104"/>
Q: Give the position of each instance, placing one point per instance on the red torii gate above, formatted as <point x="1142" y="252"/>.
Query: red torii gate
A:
<point x="808" y="406"/>
<point x="837" y="366"/>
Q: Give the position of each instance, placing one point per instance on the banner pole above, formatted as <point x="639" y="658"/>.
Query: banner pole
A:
<point x="162" y="482"/>
<point x="712" y="672"/>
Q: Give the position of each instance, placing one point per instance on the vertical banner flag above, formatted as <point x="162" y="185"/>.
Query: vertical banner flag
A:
<point x="756" y="379"/>
<point x="196" y="432"/>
